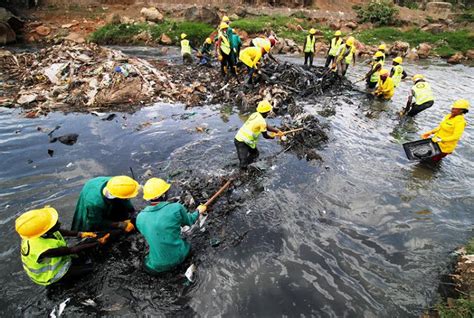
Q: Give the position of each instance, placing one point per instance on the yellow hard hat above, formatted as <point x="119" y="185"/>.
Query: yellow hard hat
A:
<point x="378" y="54"/>
<point x="382" y="47"/>
<point x="338" y="33"/>
<point x="155" y="188"/>
<point x="384" y="72"/>
<point x="34" y="223"/>
<point x="267" y="46"/>
<point x="264" y="106"/>
<point x="461" y="104"/>
<point x="208" y="41"/>
<point x="225" y="19"/>
<point x="417" y="77"/>
<point x="223" y="25"/>
<point x="398" y="60"/>
<point x="350" y="40"/>
<point x="312" y="31"/>
<point x="122" y="187"/>
<point x="183" y="36"/>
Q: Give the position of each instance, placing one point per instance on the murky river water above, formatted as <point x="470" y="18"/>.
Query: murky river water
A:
<point x="364" y="233"/>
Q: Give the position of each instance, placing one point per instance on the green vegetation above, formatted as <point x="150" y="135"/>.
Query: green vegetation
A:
<point x="470" y="246"/>
<point x="466" y="16"/>
<point x="381" y="12"/>
<point x="459" y="308"/>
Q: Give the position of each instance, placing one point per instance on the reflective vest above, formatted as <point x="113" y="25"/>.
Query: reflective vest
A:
<point x="251" y="56"/>
<point x="450" y="131"/>
<point x="251" y="130"/>
<point x="335" y="44"/>
<point x="397" y="74"/>
<point x="185" y="47"/>
<point x="46" y="270"/>
<point x="386" y="88"/>
<point x="261" y="42"/>
<point x="375" y="76"/>
<point x="349" y="57"/>
<point x="422" y="93"/>
<point x="225" y="44"/>
<point x="310" y="41"/>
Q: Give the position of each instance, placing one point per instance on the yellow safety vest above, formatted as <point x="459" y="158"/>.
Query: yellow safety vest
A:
<point x="397" y="75"/>
<point x="309" y="48"/>
<point x="422" y="93"/>
<point x="450" y="131"/>
<point x="349" y="57"/>
<point x="185" y="47"/>
<point x="386" y="88"/>
<point x="251" y="56"/>
<point x="375" y="76"/>
<point x="47" y="270"/>
<point x="251" y="130"/>
<point x="261" y="42"/>
<point x="225" y="44"/>
<point x="335" y="44"/>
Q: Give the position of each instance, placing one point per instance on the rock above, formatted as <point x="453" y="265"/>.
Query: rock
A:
<point x="456" y="58"/>
<point x="412" y="55"/>
<point x="321" y="48"/>
<point x="234" y="17"/>
<point x="113" y="18"/>
<point x="439" y="9"/>
<point x="351" y="25"/>
<point x="434" y="28"/>
<point x="241" y="12"/>
<point x="4" y="53"/>
<point x="43" y="30"/>
<point x="423" y="50"/>
<point x="7" y="35"/>
<point x="144" y="36"/>
<point x="152" y="14"/>
<point x="470" y="54"/>
<point x="164" y="39"/>
<point x="201" y="14"/>
<point x="75" y="37"/>
<point x="292" y="27"/>
<point x="299" y="28"/>
<point x="26" y="99"/>
<point x="399" y="48"/>
<point x="335" y="25"/>
<point x="126" y="20"/>
<point x="243" y="35"/>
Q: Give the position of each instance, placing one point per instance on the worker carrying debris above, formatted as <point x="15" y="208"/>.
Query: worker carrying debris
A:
<point x="385" y="88"/>
<point x="45" y="254"/>
<point x="104" y="204"/>
<point x="251" y="57"/>
<point x="246" y="138"/>
<point x="372" y="77"/>
<point x="397" y="73"/>
<point x="160" y="223"/>
<point x="334" y="45"/>
<point x="423" y="95"/>
<point x="205" y="53"/>
<point x="450" y="130"/>
<point x="309" y="47"/>
<point x="346" y="55"/>
<point x="263" y="43"/>
<point x="186" y="49"/>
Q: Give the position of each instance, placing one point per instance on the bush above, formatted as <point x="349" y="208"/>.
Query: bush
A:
<point x="380" y="12"/>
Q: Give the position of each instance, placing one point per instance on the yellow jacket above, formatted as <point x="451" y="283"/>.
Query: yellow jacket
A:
<point x="450" y="131"/>
<point x="251" y="56"/>
<point x="385" y="89"/>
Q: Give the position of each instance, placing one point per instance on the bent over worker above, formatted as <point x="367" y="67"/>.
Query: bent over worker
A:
<point x="186" y="49"/>
<point x="45" y="254"/>
<point x="423" y="95"/>
<point x="309" y="47"/>
<point x="160" y="223"/>
<point x="263" y="43"/>
<point x="450" y="130"/>
<point x="251" y="58"/>
<point x="385" y="88"/>
<point x="246" y="138"/>
<point x="104" y="203"/>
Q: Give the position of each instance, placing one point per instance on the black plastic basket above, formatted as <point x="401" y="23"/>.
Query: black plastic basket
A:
<point x="421" y="149"/>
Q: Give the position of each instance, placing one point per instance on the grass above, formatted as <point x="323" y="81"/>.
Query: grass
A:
<point x="470" y="246"/>
<point x="466" y="16"/>
<point x="460" y="308"/>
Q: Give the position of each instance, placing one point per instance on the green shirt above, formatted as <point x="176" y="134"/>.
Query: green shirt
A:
<point x="94" y="212"/>
<point x="161" y="226"/>
<point x="235" y="41"/>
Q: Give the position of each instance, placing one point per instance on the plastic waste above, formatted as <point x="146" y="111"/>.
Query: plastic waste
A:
<point x="190" y="273"/>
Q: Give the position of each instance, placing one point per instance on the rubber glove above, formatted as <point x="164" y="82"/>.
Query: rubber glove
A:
<point x="103" y="239"/>
<point x="425" y="135"/>
<point x="127" y="226"/>
<point x="202" y="208"/>
<point x="86" y="234"/>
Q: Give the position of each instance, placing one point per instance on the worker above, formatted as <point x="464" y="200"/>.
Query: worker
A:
<point x="423" y="95"/>
<point x="205" y="53"/>
<point x="186" y="49"/>
<point x="264" y="42"/>
<point x="372" y="76"/>
<point x="334" y="45"/>
<point x="104" y="203"/>
<point x="346" y="55"/>
<point x="223" y="50"/>
<point x="235" y="46"/>
<point x="45" y="254"/>
<point x="397" y="73"/>
<point x="251" y="58"/>
<point x="385" y="88"/>
<point x="382" y="49"/>
<point x="309" y="47"/>
<point x="450" y="130"/>
<point x="246" y="138"/>
<point x="160" y="223"/>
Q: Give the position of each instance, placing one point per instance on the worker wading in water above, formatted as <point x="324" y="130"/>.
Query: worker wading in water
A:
<point x="397" y="73"/>
<point x="372" y="76"/>
<point x="160" y="223"/>
<point x="385" y="88"/>
<point x="334" y="46"/>
<point x="246" y="138"/>
<point x="45" y="254"/>
<point x="450" y="130"/>
<point x="104" y="204"/>
<point x="422" y="94"/>
<point x="346" y="55"/>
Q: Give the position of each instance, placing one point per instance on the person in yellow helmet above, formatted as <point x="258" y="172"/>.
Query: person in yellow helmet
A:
<point x="45" y="254"/>
<point x="346" y="55"/>
<point x="385" y="88"/>
<point x="223" y="50"/>
<point x="246" y="139"/>
<point x="372" y="76"/>
<point x="104" y="204"/>
<point x="334" y="45"/>
<point x="205" y="53"/>
<point x="397" y="73"/>
<point x="382" y="49"/>
<point x="309" y="47"/>
<point x="450" y="130"/>
<point x="421" y="97"/>
<point x="186" y="49"/>
<point x="263" y="43"/>
<point x="160" y="223"/>
<point x="251" y="57"/>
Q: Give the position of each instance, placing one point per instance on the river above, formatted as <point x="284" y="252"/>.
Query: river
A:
<point x="362" y="233"/>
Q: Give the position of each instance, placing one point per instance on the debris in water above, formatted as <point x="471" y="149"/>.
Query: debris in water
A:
<point x="214" y="242"/>
<point x="69" y="139"/>
<point x="109" y="117"/>
<point x="89" y="302"/>
<point x="190" y="273"/>
<point x="69" y="165"/>
<point x="50" y="152"/>
<point x="60" y="309"/>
